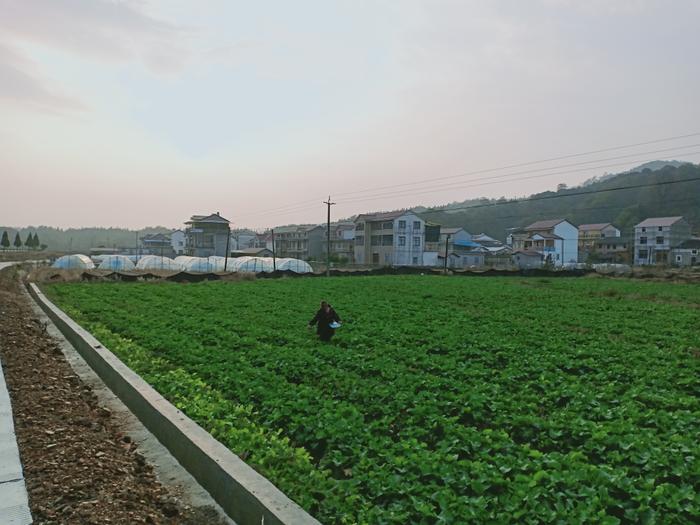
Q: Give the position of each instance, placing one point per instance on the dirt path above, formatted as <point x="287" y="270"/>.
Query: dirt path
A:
<point x="78" y="466"/>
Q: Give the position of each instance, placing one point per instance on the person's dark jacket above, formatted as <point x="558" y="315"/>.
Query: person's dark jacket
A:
<point x="323" y="319"/>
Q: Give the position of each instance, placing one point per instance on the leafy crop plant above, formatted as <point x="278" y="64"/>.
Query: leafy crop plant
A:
<point x="441" y="400"/>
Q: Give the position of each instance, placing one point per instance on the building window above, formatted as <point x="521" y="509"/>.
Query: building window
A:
<point x="644" y="229"/>
<point x="388" y="225"/>
<point x="679" y="258"/>
<point x="694" y="252"/>
<point x="387" y="240"/>
<point x="661" y="229"/>
<point x="659" y="240"/>
<point x="416" y="242"/>
<point x="415" y="260"/>
<point x="360" y="226"/>
<point x="376" y="240"/>
<point x="416" y="225"/>
<point x="402" y="240"/>
<point x="402" y="225"/>
<point x="360" y="239"/>
<point x="375" y="258"/>
<point x="642" y="240"/>
<point x="643" y="254"/>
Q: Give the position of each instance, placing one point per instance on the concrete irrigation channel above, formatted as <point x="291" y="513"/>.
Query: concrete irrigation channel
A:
<point x="246" y="496"/>
<point x="85" y="458"/>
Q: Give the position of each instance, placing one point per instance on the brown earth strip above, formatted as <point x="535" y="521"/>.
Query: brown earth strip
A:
<point x="79" y="467"/>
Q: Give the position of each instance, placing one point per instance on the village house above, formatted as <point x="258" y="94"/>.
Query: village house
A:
<point x="342" y="242"/>
<point x="156" y="244"/>
<point x="303" y="242"/>
<point x="497" y="254"/>
<point x="686" y="253"/>
<point x="556" y="240"/>
<point x="525" y="259"/>
<point x="590" y="234"/>
<point x="462" y="251"/>
<point x="177" y="242"/>
<point x="614" y="250"/>
<point x="391" y="239"/>
<point x="243" y="238"/>
<point x="654" y="238"/>
<point x="207" y="235"/>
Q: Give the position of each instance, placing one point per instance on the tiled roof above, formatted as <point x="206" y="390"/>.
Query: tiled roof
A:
<point x="545" y="235"/>
<point x="593" y="227"/>
<point x="381" y="216"/>
<point x="214" y="217"/>
<point x="658" y="221"/>
<point x="544" y="225"/>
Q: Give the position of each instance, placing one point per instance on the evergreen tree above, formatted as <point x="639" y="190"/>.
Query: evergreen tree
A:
<point x="5" y="243"/>
<point x="35" y="242"/>
<point x="18" y="241"/>
<point x="29" y="243"/>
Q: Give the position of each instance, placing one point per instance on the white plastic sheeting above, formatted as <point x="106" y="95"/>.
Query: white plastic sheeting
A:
<point x="294" y="265"/>
<point x="217" y="263"/>
<point x="116" y="263"/>
<point x="73" y="262"/>
<point x="255" y="265"/>
<point x="184" y="259"/>
<point x="156" y="262"/>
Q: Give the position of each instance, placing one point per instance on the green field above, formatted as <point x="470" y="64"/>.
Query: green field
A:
<point x="441" y="400"/>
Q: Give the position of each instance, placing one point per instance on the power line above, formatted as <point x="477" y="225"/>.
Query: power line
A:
<point x="461" y="185"/>
<point x="530" y="163"/>
<point x="560" y="196"/>
<point x="295" y="206"/>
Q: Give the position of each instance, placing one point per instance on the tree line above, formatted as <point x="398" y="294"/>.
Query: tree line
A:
<point x="31" y="242"/>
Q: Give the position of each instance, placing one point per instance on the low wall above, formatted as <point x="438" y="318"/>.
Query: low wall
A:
<point x="246" y="496"/>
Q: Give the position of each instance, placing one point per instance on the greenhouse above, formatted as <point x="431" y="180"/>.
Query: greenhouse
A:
<point x="255" y="264"/>
<point x="294" y="265"/>
<point x="156" y="262"/>
<point x="184" y="260"/>
<point x="116" y="263"/>
<point x="74" y="262"/>
<point x="219" y="264"/>
<point x="202" y="265"/>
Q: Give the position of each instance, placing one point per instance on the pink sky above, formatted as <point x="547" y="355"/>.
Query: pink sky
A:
<point x="144" y="112"/>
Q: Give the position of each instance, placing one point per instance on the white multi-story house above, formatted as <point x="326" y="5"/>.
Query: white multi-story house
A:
<point x="390" y="239"/>
<point x="555" y="239"/>
<point x="177" y="241"/>
<point x="654" y="238"/>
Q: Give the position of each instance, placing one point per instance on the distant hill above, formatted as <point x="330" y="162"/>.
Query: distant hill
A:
<point x="82" y="239"/>
<point x="656" y="165"/>
<point x="624" y="208"/>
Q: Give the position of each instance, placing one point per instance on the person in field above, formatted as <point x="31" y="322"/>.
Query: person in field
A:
<point x="324" y="318"/>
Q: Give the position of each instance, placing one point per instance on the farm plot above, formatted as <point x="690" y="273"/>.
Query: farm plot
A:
<point x="449" y="400"/>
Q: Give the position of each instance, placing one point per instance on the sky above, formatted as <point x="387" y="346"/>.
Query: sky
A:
<point x="143" y="112"/>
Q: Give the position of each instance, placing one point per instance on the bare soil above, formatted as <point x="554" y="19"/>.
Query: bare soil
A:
<point x="79" y="467"/>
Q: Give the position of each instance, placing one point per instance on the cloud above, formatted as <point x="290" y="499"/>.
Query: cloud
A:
<point x="99" y="29"/>
<point x="19" y="83"/>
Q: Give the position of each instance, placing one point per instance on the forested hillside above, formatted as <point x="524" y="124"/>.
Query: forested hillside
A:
<point x="590" y="204"/>
<point x="82" y="239"/>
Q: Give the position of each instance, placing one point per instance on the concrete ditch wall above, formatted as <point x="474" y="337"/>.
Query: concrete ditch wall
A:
<point x="246" y="496"/>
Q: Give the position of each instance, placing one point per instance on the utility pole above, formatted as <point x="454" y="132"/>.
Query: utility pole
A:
<point x="274" y="258"/>
<point x="447" y="241"/>
<point x="328" y="236"/>
<point x="228" y="239"/>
